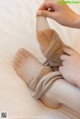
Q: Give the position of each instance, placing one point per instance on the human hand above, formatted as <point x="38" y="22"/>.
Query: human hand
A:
<point x="70" y="68"/>
<point x="60" y="13"/>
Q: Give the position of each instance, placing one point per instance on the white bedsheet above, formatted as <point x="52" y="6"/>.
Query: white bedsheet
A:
<point x="17" y="30"/>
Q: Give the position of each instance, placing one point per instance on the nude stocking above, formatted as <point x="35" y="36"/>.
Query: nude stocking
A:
<point x="44" y="83"/>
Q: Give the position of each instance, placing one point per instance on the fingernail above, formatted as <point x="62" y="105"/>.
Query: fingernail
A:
<point x="39" y="13"/>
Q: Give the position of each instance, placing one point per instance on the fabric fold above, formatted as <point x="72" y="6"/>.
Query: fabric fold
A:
<point x="43" y="81"/>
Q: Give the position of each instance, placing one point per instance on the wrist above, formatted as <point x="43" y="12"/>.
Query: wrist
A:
<point x="76" y="23"/>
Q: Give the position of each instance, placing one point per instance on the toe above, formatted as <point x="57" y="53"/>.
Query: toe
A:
<point x="22" y="53"/>
<point x="16" y="63"/>
<point x="18" y="59"/>
<point x="17" y="69"/>
<point x="26" y="53"/>
<point x="16" y="66"/>
<point x="21" y="50"/>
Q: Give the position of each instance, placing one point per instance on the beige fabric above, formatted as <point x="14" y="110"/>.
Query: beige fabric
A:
<point x="42" y="82"/>
<point x="53" y="54"/>
<point x="41" y="23"/>
<point x="54" y="51"/>
<point x="17" y="30"/>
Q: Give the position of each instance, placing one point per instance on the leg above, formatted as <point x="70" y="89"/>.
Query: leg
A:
<point x="51" y="45"/>
<point x="62" y="92"/>
<point x="45" y="85"/>
<point x="50" y="42"/>
<point x="31" y="71"/>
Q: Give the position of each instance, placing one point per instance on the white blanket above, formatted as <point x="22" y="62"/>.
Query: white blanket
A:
<point x="17" y="30"/>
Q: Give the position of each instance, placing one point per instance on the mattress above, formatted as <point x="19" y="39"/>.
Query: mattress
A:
<point x="18" y="30"/>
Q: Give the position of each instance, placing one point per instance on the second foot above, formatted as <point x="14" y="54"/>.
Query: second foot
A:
<point x="26" y="65"/>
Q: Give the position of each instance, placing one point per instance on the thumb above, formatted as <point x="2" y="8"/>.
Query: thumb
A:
<point x="46" y="13"/>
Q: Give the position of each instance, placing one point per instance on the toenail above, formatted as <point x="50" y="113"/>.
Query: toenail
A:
<point x="21" y="50"/>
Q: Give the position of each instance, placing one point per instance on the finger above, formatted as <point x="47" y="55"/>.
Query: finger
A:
<point x="44" y="13"/>
<point x="48" y="14"/>
<point x="61" y="69"/>
<point x="69" y="51"/>
<point x="47" y="4"/>
<point x="63" y="57"/>
<point x="42" y="7"/>
<point x="63" y="63"/>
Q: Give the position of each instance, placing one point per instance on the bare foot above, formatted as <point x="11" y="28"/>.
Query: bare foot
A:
<point x="26" y="65"/>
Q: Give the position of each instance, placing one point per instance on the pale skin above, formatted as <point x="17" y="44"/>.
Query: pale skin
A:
<point x="61" y="13"/>
<point x="60" y="93"/>
<point x="71" y="60"/>
<point x="70" y="68"/>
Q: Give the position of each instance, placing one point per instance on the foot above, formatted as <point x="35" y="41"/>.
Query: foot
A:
<point x="44" y="38"/>
<point x="50" y="43"/>
<point x="26" y="65"/>
<point x="44" y="33"/>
